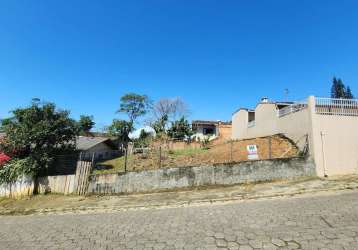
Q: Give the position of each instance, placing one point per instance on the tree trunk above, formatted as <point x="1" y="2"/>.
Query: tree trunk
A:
<point x="36" y="185"/>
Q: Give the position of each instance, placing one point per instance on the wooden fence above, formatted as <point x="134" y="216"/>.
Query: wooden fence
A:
<point x="21" y="188"/>
<point x="83" y="172"/>
<point x="62" y="184"/>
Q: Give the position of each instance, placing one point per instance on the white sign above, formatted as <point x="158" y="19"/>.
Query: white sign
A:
<point x="252" y="152"/>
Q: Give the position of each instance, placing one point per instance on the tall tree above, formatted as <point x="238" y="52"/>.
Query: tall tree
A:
<point x="121" y="129"/>
<point x="160" y="124"/>
<point x="338" y="90"/>
<point x="167" y="110"/>
<point x="85" y="124"/>
<point x="349" y="94"/>
<point x="134" y="106"/>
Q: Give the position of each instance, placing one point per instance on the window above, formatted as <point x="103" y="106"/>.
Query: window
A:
<point x="208" y="131"/>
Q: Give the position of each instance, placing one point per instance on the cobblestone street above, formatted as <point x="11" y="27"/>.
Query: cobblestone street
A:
<point x="324" y="221"/>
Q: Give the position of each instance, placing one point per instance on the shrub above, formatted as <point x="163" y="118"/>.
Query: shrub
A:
<point x="15" y="168"/>
<point x="205" y="142"/>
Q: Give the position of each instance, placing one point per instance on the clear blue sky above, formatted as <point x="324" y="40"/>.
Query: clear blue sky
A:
<point x="216" y="55"/>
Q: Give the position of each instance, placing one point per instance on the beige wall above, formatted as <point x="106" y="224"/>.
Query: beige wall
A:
<point x="239" y="124"/>
<point x="336" y="149"/>
<point x="224" y="131"/>
<point x="100" y="149"/>
<point x="265" y="120"/>
<point x="295" y="125"/>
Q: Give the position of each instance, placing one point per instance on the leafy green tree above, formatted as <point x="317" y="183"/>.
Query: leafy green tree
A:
<point x="37" y="133"/>
<point x="143" y="139"/>
<point x="338" y="90"/>
<point x="349" y="94"/>
<point x="144" y="134"/>
<point x="134" y="106"/>
<point x="121" y="130"/>
<point x="159" y="125"/>
<point x="85" y="124"/>
<point x="180" y="129"/>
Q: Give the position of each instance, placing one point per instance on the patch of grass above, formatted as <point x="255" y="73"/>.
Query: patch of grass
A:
<point x="4" y="200"/>
<point x="187" y="151"/>
<point x="115" y="165"/>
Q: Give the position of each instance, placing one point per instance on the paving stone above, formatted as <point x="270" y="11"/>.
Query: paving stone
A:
<point x="245" y="247"/>
<point x="278" y="242"/>
<point x="221" y="243"/>
<point x="290" y="223"/>
<point x="233" y="246"/>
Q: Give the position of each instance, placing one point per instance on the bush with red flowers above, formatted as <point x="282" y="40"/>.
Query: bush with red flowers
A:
<point x="4" y="158"/>
<point x="34" y="135"/>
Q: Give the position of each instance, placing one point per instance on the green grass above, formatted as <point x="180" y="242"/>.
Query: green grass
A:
<point x="4" y="199"/>
<point x="187" y="151"/>
<point x="114" y="166"/>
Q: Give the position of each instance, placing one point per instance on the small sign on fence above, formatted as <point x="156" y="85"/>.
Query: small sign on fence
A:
<point x="252" y="152"/>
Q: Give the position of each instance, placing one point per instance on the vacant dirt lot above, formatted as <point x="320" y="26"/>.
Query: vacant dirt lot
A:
<point x="276" y="146"/>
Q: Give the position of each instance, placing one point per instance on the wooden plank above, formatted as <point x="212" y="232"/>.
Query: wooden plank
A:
<point x="81" y="179"/>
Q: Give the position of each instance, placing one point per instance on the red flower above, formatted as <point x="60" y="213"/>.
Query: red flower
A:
<point x="4" y="158"/>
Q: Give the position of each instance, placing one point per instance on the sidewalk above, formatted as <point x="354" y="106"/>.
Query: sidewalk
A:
<point x="206" y="195"/>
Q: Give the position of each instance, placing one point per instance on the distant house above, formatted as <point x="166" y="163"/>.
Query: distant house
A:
<point x="211" y="129"/>
<point x="101" y="148"/>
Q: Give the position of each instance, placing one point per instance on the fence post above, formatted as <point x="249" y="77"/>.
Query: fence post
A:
<point x="270" y="147"/>
<point x="231" y="149"/>
<point x="160" y="156"/>
<point x="125" y="159"/>
<point x="93" y="159"/>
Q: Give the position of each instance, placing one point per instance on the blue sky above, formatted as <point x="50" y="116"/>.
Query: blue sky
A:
<point x="216" y="55"/>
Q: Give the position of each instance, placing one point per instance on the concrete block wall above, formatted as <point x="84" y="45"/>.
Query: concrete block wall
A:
<point x="182" y="177"/>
